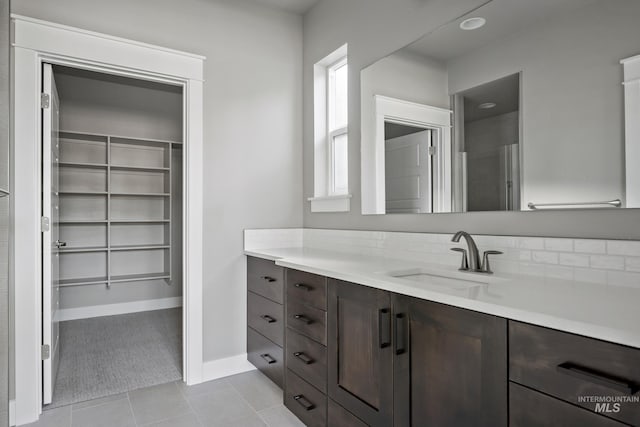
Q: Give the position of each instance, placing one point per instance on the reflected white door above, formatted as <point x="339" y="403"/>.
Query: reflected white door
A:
<point x="50" y="236"/>
<point x="408" y="176"/>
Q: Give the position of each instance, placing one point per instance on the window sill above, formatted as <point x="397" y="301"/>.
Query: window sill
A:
<point x="341" y="203"/>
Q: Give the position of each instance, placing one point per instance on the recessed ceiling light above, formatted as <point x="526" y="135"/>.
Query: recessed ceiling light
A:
<point x="487" y="105"/>
<point x="473" y="23"/>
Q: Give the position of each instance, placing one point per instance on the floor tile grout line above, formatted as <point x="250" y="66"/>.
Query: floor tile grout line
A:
<point x="133" y="414"/>
<point x="246" y="401"/>
<point x="184" y="396"/>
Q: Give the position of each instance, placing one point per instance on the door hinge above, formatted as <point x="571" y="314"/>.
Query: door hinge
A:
<point x="44" y="224"/>
<point x="44" y="100"/>
<point x="432" y="150"/>
<point x="45" y="351"/>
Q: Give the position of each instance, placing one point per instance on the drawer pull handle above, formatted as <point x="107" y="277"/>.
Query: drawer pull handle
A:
<point x="303" y="357"/>
<point x="304" y="319"/>
<point x="400" y="333"/>
<point x="304" y="402"/>
<point x="384" y="327"/>
<point x="268" y="318"/>
<point x="597" y="377"/>
<point x="267" y="358"/>
<point x="268" y="279"/>
<point x="303" y="287"/>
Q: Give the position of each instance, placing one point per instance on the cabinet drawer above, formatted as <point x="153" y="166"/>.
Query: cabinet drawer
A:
<point x="265" y="278"/>
<point x="266" y="317"/>
<point x="528" y="408"/>
<point x="306" y="402"/>
<point x="266" y="356"/>
<point x="340" y="417"/>
<point x="307" y="288"/>
<point x="307" y="358"/>
<point x="569" y="366"/>
<point x="308" y="321"/>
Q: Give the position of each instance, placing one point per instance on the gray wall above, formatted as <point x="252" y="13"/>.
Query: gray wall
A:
<point x="374" y="29"/>
<point x="252" y="129"/>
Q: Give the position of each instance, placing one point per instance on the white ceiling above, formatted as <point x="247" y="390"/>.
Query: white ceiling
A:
<point x="295" y="6"/>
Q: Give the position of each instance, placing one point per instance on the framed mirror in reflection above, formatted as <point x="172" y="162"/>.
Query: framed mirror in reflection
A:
<point x="518" y="105"/>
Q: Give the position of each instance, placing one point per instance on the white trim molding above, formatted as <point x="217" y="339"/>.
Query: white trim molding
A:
<point x="338" y="203"/>
<point x="373" y="149"/>
<point x="116" y="309"/>
<point x="34" y="43"/>
<point x="632" y="129"/>
<point x="221" y="368"/>
<point x="326" y="198"/>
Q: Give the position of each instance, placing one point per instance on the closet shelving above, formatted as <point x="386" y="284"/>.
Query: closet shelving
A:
<point x="116" y="197"/>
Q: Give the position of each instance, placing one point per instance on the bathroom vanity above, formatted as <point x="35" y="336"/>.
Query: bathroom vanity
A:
<point x="365" y="348"/>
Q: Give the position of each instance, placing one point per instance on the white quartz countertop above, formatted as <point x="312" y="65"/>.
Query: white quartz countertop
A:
<point x="609" y="313"/>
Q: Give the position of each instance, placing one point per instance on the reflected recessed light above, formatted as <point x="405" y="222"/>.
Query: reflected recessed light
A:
<point x="487" y="105"/>
<point x="473" y="23"/>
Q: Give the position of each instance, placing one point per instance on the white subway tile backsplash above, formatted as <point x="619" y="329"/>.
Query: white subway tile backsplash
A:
<point x="584" y="260"/>
<point x="545" y="257"/>
<point x="607" y="262"/>
<point x="623" y="247"/>
<point x="534" y="243"/>
<point x="632" y="264"/>
<point x="558" y="245"/>
<point x="574" y="260"/>
<point x="590" y="246"/>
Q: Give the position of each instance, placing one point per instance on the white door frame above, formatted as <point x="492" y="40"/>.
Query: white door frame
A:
<point x="36" y="42"/>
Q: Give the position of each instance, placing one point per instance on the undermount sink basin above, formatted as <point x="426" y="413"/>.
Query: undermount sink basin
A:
<point x="449" y="279"/>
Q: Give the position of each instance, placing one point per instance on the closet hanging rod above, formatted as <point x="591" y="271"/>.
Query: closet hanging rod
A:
<point x="617" y="203"/>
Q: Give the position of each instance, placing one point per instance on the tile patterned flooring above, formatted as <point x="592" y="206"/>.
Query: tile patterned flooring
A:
<point x="244" y="400"/>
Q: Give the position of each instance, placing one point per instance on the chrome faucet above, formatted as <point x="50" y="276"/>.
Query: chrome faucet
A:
<point x="472" y="262"/>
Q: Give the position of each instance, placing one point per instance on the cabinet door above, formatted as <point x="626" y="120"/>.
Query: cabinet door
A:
<point x="450" y="366"/>
<point x="360" y="352"/>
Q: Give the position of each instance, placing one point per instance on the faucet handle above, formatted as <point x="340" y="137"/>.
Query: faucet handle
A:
<point x="464" y="266"/>
<point x="486" y="268"/>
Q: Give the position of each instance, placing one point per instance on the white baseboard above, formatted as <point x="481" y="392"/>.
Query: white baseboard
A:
<point x="214" y="369"/>
<point x="12" y="412"/>
<point x="115" y="309"/>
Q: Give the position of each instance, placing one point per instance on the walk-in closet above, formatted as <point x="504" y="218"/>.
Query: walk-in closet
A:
<point x="116" y="205"/>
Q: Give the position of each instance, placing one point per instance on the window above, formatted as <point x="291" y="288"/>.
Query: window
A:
<point x="331" y="134"/>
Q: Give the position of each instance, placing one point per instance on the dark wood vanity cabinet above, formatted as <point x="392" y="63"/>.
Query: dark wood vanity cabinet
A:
<point x="576" y="370"/>
<point x="450" y="366"/>
<point x="360" y="351"/>
<point x="265" y="317"/>
<point x="402" y="361"/>
<point x="354" y="356"/>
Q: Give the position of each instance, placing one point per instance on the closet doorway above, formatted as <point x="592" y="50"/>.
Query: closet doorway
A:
<point x="112" y="203"/>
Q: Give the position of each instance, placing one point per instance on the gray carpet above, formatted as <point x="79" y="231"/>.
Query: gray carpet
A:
<point x="103" y="356"/>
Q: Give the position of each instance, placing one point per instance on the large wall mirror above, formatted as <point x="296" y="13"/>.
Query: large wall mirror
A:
<point x="518" y="105"/>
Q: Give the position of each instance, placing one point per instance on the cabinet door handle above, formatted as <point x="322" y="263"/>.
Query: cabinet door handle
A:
<point x="303" y="357"/>
<point x="304" y="287"/>
<point x="268" y="318"/>
<point x="304" y="402"/>
<point x="597" y="377"/>
<point x="267" y="358"/>
<point x="384" y="327"/>
<point x="400" y="333"/>
<point x="268" y="279"/>
<point x="304" y="319"/>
